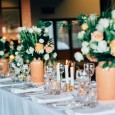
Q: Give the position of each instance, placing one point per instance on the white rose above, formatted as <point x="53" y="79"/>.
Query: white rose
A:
<point x="1" y="53"/>
<point x="46" y="56"/>
<point x="54" y="55"/>
<point x="41" y="40"/>
<point x="104" y="22"/>
<point x="85" y="44"/>
<point x="78" y="56"/>
<point x="99" y="28"/>
<point x="34" y="28"/>
<point x="81" y="35"/>
<point x="19" y="48"/>
<point x="30" y="50"/>
<point x="16" y="53"/>
<point x="23" y="28"/>
<point x="93" y="45"/>
<point x="85" y="50"/>
<point x="113" y="14"/>
<point x="2" y="40"/>
<point x="102" y="46"/>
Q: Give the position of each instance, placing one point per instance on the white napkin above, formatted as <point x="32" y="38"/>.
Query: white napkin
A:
<point x="5" y="79"/>
<point x="51" y="98"/>
<point x="10" y="84"/>
<point x="18" y="90"/>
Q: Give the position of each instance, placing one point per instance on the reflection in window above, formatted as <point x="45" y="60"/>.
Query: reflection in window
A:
<point x="62" y="36"/>
<point x="75" y="29"/>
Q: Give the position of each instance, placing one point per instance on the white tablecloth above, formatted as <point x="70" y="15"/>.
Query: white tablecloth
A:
<point x="12" y="104"/>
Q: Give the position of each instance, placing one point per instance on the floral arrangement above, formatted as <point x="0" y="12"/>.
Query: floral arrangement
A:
<point x="98" y="38"/>
<point x="35" y="43"/>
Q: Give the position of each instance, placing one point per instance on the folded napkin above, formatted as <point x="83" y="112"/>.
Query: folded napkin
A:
<point x="5" y="79"/>
<point x="19" y="90"/>
<point x="51" y="98"/>
<point x="10" y="84"/>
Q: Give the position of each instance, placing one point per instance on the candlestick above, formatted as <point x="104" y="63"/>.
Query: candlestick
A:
<point x="72" y="75"/>
<point x="66" y="74"/>
<point x="67" y="87"/>
<point x="58" y="72"/>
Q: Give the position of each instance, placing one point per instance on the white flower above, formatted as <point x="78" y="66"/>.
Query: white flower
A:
<point x="38" y="30"/>
<point x="41" y="40"/>
<point x="23" y="28"/>
<point x="16" y="53"/>
<point x="30" y="30"/>
<point x="78" y="56"/>
<point x="1" y="53"/>
<point x="114" y="26"/>
<point x="30" y="50"/>
<point x="99" y="28"/>
<point x="93" y="45"/>
<point x="113" y="14"/>
<point x="46" y="30"/>
<point x="19" y="48"/>
<point x="92" y="17"/>
<point x="85" y="50"/>
<point x="19" y="29"/>
<point x="46" y="56"/>
<point x="104" y="22"/>
<point x="102" y="46"/>
<point x="2" y="40"/>
<point x="18" y="36"/>
<point x="54" y="55"/>
<point x="85" y="44"/>
<point x="81" y="35"/>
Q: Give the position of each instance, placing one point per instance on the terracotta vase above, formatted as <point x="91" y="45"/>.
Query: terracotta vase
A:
<point x="3" y="65"/>
<point x="105" y="79"/>
<point x="37" y="71"/>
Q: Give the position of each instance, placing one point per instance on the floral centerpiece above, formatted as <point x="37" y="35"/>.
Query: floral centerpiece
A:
<point x="98" y="38"/>
<point x="98" y="45"/>
<point x="36" y="43"/>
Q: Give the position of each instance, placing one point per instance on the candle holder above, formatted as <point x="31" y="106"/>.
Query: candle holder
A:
<point x="67" y="87"/>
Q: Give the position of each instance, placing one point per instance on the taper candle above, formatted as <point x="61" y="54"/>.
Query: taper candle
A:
<point x="66" y="74"/>
<point x="58" y="72"/>
<point x="72" y="75"/>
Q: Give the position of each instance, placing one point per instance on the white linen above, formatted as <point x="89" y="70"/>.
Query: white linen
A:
<point x="51" y="98"/>
<point x="10" y="84"/>
<point x="18" y="90"/>
<point x="5" y="79"/>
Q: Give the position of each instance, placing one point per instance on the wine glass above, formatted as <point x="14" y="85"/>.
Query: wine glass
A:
<point x="90" y="69"/>
<point x="82" y="79"/>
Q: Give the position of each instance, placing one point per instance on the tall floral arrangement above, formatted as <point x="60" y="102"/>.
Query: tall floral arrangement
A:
<point x="98" y="38"/>
<point x="35" y="43"/>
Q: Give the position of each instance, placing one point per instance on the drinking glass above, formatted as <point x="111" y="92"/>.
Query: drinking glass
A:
<point x="62" y="67"/>
<point x="90" y="69"/>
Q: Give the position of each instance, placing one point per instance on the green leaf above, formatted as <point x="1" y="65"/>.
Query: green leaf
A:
<point x="40" y="23"/>
<point x="106" y="64"/>
<point x="47" y="24"/>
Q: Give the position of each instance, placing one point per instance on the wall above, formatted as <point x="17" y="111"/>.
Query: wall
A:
<point x="66" y="9"/>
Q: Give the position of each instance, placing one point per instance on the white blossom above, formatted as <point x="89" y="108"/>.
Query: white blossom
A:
<point x="85" y="44"/>
<point x="19" y="48"/>
<point x="1" y="53"/>
<point x="41" y="40"/>
<point x="30" y="50"/>
<point x="46" y="56"/>
<point x="81" y="35"/>
<point x="99" y="28"/>
<point x="2" y="40"/>
<point x="113" y="14"/>
<point x="54" y="55"/>
<point x="78" y="56"/>
<point x="85" y="50"/>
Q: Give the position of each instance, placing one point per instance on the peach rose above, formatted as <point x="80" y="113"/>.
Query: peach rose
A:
<point x="91" y="58"/>
<point x="96" y="36"/>
<point x="49" y="49"/>
<point x="84" y="26"/>
<point x="112" y="46"/>
<point x="38" y="47"/>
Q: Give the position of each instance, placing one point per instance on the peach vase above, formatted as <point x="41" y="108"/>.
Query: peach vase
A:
<point x="37" y="71"/>
<point x="3" y="65"/>
<point x="105" y="79"/>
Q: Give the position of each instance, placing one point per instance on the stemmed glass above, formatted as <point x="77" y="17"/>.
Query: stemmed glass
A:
<point x="90" y="69"/>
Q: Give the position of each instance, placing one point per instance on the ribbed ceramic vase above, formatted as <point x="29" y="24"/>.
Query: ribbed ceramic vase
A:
<point x="105" y="79"/>
<point x="37" y="71"/>
<point x="3" y="65"/>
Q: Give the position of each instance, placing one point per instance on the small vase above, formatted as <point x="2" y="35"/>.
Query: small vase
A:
<point x="3" y="66"/>
<point x="37" y="71"/>
<point x="105" y="79"/>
